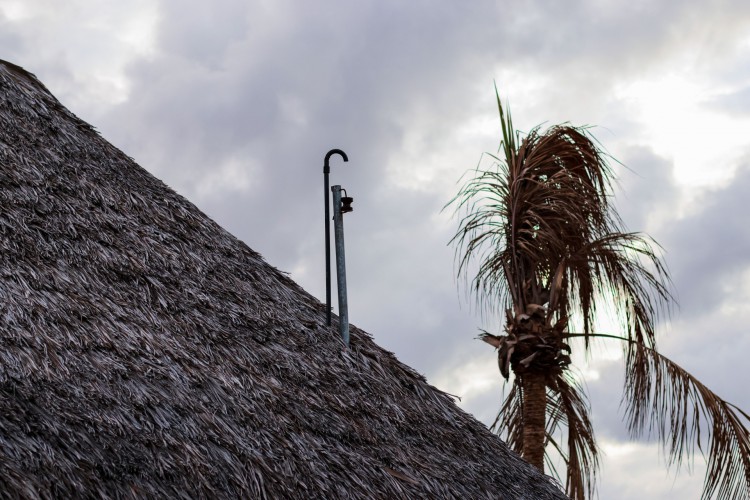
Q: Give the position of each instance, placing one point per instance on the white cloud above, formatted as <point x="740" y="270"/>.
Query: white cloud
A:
<point x="637" y="470"/>
<point x="704" y="144"/>
<point x="231" y="175"/>
<point x="15" y="10"/>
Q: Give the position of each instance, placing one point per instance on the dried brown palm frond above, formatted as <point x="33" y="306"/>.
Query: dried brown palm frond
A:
<point x="509" y="420"/>
<point x="618" y="265"/>
<point x="570" y="410"/>
<point x="567" y="409"/>
<point x="663" y="398"/>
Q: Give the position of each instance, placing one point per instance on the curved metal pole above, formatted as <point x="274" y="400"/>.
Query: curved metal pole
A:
<point x="327" y="196"/>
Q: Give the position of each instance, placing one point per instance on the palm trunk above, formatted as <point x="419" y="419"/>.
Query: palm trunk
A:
<point x="534" y="408"/>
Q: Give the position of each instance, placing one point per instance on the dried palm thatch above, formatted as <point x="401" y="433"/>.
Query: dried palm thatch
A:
<point x="148" y="352"/>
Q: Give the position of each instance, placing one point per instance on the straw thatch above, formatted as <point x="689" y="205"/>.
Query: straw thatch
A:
<point x="147" y="352"/>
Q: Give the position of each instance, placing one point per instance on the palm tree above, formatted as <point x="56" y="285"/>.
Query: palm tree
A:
<point x="551" y="250"/>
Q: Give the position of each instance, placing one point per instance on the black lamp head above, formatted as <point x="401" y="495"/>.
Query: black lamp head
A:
<point x="346" y="204"/>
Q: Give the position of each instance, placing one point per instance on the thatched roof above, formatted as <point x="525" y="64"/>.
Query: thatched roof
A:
<point x="145" y="351"/>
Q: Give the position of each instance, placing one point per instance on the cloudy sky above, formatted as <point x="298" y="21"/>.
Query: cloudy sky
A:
<point x="235" y="103"/>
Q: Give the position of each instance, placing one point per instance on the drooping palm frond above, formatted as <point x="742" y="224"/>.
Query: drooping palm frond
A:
<point x="509" y="420"/>
<point x="567" y="411"/>
<point x="619" y="265"/>
<point x="662" y="397"/>
<point x="571" y="410"/>
<point x="482" y="237"/>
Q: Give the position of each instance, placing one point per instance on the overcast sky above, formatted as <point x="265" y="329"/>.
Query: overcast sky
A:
<point x="235" y="103"/>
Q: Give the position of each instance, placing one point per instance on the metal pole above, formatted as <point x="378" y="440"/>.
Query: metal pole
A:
<point x="338" y="227"/>
<point x="326" y="196"/>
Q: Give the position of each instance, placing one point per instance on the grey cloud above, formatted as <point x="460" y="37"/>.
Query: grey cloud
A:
<point x="205" y="32"/>
<point x="645" y="189"/>
<point x="736" y="103"/>
<point x="710" y="246"/>
<point x="587" y="49"/>
<point x="10" y="40"/>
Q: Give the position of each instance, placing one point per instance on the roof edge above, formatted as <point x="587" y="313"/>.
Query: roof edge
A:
<point x="21" y="75"/>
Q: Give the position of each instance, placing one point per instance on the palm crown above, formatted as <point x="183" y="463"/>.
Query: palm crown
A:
<point x="550" y="247"/>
